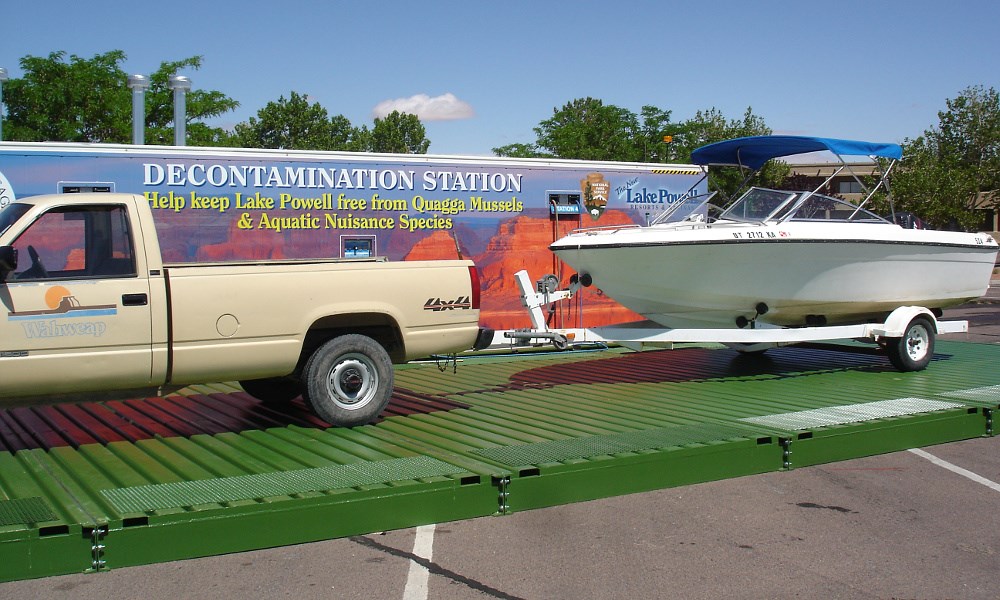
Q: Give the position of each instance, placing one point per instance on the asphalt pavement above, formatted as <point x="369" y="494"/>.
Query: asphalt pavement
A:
<point x="914" y="524"/>
<point x="890" y="526"/>
<point x="983" y="316"/>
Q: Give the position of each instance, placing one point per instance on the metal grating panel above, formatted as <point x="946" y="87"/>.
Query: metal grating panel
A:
<point x="616" y="443"/>
<point x="25" y="511"/>
<point x="252" y="487"/>
<point x="852" y="413"/>
<point x="989" y="395"/>
<point x="199" y="409"/>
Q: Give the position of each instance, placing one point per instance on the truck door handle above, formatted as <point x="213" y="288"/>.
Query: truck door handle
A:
<point x="134" y="300"/>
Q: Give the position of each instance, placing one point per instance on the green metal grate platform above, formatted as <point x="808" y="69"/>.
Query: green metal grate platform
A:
<point x="98" y="486"/>
<point x="225" y="490"/>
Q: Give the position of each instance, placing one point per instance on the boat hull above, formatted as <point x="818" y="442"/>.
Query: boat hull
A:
<point x="719" y="277"/>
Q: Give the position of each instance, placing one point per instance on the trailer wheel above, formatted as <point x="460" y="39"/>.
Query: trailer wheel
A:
<point x="272" y="390"/>
<point x="348" y="380"/>
<point x="560" y="342"/>
<point x="913" y="351"/>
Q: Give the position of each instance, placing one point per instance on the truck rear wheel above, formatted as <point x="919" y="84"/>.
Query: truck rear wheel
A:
<point x="273" y="390"/>
<point x="348" y="380"/>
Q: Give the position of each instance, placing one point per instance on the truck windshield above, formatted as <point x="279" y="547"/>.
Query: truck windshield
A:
<point x="10" y="215"/>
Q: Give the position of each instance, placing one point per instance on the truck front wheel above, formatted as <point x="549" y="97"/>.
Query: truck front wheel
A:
<point x="348" y="380"/>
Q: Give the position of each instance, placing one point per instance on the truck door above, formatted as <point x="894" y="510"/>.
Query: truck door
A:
<point x="76" y="311"/>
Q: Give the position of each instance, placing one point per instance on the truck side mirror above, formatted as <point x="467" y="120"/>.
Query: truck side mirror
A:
<point x="8" y="261"/>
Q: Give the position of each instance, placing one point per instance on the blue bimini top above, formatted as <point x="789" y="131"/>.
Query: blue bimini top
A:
<point x="754" y="151"/>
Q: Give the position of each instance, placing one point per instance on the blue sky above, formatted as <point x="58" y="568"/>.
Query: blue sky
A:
<point x="486" y="73"/>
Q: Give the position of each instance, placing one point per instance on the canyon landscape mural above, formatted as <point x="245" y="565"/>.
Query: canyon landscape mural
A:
<point x="219" y="205"/>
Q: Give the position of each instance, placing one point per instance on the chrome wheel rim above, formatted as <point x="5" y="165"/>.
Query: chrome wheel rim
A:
<point x="917" y="341"/>
<point x="353" y="381"/>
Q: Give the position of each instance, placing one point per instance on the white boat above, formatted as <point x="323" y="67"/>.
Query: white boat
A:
<point x="784" y="258"/>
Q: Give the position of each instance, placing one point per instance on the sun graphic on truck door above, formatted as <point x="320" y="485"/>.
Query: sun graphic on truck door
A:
<point x="62" y="304"/>
<point x="54" y="295"/>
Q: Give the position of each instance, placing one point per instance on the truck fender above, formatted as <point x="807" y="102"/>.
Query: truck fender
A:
<point x="898" y="320"/>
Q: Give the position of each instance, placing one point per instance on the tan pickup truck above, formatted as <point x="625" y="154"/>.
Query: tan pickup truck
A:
<point x="93" y="313"/>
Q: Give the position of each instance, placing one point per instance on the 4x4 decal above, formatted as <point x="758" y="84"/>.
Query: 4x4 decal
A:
<point x="437" y="304"/>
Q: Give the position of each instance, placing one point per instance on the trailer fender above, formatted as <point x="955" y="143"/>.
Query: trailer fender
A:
<point x="897" y="322"/>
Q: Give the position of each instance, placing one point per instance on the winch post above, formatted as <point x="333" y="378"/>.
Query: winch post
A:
<point x="534" y="300"/>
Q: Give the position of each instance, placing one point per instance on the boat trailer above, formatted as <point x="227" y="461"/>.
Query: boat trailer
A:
<point x="907" y="334"/>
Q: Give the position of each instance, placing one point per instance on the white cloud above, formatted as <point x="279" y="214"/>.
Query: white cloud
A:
<point x="445" y="107"/>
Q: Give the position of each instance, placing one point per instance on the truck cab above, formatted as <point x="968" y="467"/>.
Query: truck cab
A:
<point x="77" y="296"/>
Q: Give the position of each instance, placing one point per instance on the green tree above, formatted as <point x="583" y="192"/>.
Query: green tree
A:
<point x="655" y="126"/>
<point x="954" y="168"/>
<point x="199" y="105"/>
<point x="361" y="140"/>
<point x="76" y="101"/>
<point x="297" y="125"/>
<point x="399" y="132"/>
<point x="87" y="100"/>
<point x="348" y="137"/>
<point x="588" y="129"/>
<point x="520" y="150"/>
<point x="709" y="126"/>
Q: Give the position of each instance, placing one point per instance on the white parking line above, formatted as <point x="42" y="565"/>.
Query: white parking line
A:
<point x="956" y="469"/>
<point x="418" y="576"/>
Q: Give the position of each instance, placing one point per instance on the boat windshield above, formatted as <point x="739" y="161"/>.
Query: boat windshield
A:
<point x="689" y="209"/>
<point x="758" y="204"/>
<point x="818" y="207"/>
<point x="761" y="204"/>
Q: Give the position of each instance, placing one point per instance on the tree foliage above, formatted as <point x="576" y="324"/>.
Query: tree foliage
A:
<point x="954" y="168"/>
<point x="399" y="132"/>
<point x="87" y="100"/>
<point x="588" y="129"/>
<point x="295" y="124"/>
<point x="656" y="125"/>
<point x="520" y="150"/>
<point x="199" y="104"/>
<point x="585" y="129"/>
<point x="709" y="126"/>
<point x="76" y="101"/>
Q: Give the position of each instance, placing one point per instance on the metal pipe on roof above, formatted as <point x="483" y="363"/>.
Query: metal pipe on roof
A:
<point x="138" y="84"/>
<point x="180" y="85"/>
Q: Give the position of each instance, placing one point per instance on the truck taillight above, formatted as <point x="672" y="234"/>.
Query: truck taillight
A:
<point x="474" y="276"/>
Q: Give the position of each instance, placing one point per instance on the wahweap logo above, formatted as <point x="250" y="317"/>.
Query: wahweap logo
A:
<point x="62" y="317"/>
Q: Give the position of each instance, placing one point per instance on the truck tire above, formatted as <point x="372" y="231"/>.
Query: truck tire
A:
<point x="348" y="380"/>
<point x="273" y="390"/>
<point x="913" y="351"/>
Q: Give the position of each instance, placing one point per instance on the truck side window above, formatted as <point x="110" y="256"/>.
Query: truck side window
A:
<point x="76" y="242"/>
